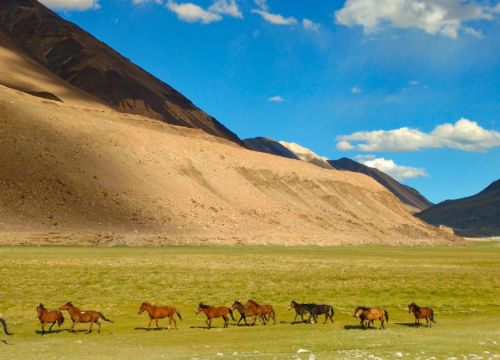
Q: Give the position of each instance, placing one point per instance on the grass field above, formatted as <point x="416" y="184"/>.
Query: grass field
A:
<point x="462" y="285"/>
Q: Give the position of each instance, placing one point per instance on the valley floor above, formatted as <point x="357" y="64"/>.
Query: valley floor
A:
<point x="461" y="284"/>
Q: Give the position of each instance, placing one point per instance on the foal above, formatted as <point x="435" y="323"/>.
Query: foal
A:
<point x="49" y="316"/>
<point x="78" y="315"/>
<point x="157" y="312"/>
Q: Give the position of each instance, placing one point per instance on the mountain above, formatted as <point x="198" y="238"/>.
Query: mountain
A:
<point x="88" y="176"/>
<point x="92" y="66"/>
<point x="476" y="215"/>
<point x="415" y="201"/>
<point x="269" y="146"/>
<point x="306" y="155"/>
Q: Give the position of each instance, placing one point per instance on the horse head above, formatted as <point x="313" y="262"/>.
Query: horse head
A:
<point x="144" y="305"/>
<point x="66" y="306"/>
<point x="413" y="307"/>
<point x="292" y="305"/>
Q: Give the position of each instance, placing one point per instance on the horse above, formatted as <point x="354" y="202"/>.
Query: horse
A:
<point x="215" y="312"/>
<point x="421" y="313"/>
<point x="300" y="309"/>
<point x="4" y="324"/>
<point x="78" y="315"/>
<point x="260" y="310"/>
<point x="244" y="312"/>
<point x="326" y="310"/>
<point x="157" y="312"/>
<point x="49" y="316"/>
<point x="369" y="315"/>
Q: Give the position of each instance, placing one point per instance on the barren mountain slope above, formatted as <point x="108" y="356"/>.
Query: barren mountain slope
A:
<point x="306" y="155"/>
<point x="269" y="146"/>
<point x="85" y="62"/>
<point x="85" y="176"/>
<point x="478" y="214"/>
<point x="415" y="201"/>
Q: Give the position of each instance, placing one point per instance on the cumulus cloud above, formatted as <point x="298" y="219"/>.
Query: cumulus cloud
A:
<point x="473" y="32"/>
<point x="71" y="4"/>
<point x="443" y="17"/>
<point x="464" y="135"/>
<point x="192" y="13"/>
<point x="400" y="173"/>
<point x="276" y="99"/>
<point x="135" y="2"/>
<point x="413" y="83"/>
<point x="276" y="19"/>
<point x="355" y="90"/>
<point x="364" y="157"/>
<point x="226" y="7"/>
<point x="309" y="25"/>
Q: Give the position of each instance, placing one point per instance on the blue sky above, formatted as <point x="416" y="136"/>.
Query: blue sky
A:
<point x="375" y="80"/>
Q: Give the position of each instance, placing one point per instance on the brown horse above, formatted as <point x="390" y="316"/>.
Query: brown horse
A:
<point x="78" y="315"/>
<point x="157" y="312"/>
<point x="215" y="312"/>
<point x="369" y="315"/>
<point x="244" y="312"/>
<point x="422" y="313"/>
<point x="260" y="310"/>
<point x="4" y="324"/>
<point x="300" y="309"/>
<point x="49" y="316"/>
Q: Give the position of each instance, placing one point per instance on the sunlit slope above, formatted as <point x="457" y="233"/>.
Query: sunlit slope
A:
<point x="68" y="171"/>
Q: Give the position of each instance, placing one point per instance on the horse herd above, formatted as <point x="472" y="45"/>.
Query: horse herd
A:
<point x="251" y="310"/>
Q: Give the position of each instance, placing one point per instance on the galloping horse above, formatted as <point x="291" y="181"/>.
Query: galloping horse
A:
<point x="369" y="315"/>
<point x="4" y="324"/>
<point x="244" y="312"/>
<point x="215" y="312"/>
<point x="326" y="310"/>
<point x="156" y="312"/>
<point x="421" y="313"/>
<point x="300" y="309"/>
<point x="78" y="315"/>
<point x="260" y="310"/>
<point x="49" y="316"/>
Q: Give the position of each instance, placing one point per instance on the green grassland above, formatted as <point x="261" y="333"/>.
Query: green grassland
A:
<point x="461" y="284"/>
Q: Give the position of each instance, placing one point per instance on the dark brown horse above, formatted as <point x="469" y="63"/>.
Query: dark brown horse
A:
<point x="326" y="310"/>
<point x="157" y="312"/>
<point x="422" y="313"/>
<point x="78" y="315"/>
<point x="49" y="316"/>
<point x="260" y="310"/>
<point x="244" y="312"/>
<point x="300" y="309"/>
<point x="4" y="324"/>
<point x="370" y="315"/>
<point x="215" y="312"/>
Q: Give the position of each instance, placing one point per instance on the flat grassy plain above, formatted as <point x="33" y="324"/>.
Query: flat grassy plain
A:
<point x="461" y="284"/>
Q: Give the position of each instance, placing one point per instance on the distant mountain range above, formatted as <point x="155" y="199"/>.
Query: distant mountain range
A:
<point x="414" y="201"/>
<point x="475" y="215"/>
<point x="92" y="66"/>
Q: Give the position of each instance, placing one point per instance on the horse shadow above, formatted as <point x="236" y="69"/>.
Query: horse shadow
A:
<point x="40" y="332"/>
<point x="5" y="342"/>
<point x="152" y="329"/>
<point x="296" y="322"/>
<point x="408" y="324"/>
<point x="206" y="327"/>
<point x="357" y="327"/>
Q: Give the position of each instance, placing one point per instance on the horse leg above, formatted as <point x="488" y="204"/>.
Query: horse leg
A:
<point x="427" y="319"/>
<point x="382" y="323"/>
<point x="158" y="326"/>
<point x="50" y="328"/>
<point x="90" y="328"/>
<point x="150" y="321"/>
<point x="98" y="323"/>
<point x="43" y="328"/>
<point x="58" y="326"/>
<point x="302" y="316"/>
<point x="73" y="326"/>
<point x="175" y="322"/>
<point x="226" y="321"/>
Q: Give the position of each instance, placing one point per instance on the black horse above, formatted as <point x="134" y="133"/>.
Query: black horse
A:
<point x="300" y="309"/>
<point x="244" y="312"/>
<point x="326" y="310"/>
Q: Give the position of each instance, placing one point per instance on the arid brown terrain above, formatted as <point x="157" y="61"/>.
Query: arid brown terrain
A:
<point x="78" y="175"/>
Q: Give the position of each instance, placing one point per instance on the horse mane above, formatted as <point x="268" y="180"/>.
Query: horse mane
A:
<point x="253" y="302"/>
<point x="364" y="308"/>
<point x="238" y="303"/>
<point x="41" y="307"/>
<point x="70" y="304"/>
<point x="417" y="308"/>
<point x="203" y="306"/>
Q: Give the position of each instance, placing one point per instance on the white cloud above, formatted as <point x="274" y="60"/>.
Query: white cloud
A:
<point x="344" y="146"/>
<point x="275" y="18"/>
<point x="413" y="83"/>
<point x="464" y="135"/>
<point x="276" y="99"/>
<point x="135" y="2"/>
<point x="400" y="173"/>
<point x="262" y="4"/>
<point x="256" y="33"/>
<point x="355" y="90"/>
<point x="227" y="7"/>
<point x="72" y="4"/>
<point x="443" y="17"/>
<point x="192" y="13"/>
<point x="364" y="157"/>
<point x="473" y="32"/>
<point x="309" y="25"/>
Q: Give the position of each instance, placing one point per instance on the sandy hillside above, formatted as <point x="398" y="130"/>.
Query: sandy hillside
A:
<point x="77" y="175"/>
<point x="306" y="155"/>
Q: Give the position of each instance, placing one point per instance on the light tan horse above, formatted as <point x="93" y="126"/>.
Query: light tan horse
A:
<point x="49" y="316"/>
<point x="157" y="312"/>
<point x="78" y="315"/>
<point x="369" y="315"/>
<point x="260" y="310"/>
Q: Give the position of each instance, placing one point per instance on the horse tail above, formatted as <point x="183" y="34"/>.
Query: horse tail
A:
<point x="4" y="324"/>
<point x="274" y="314"/>
<point x="332" y="312"/>
<point x="432" y="316"/>
<point x="386" y="316"/>
<point x="178" y="313"/>
<point x="62" y="319"/>
<point x="231" y="313"/>
<point x="104" y="318"/>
